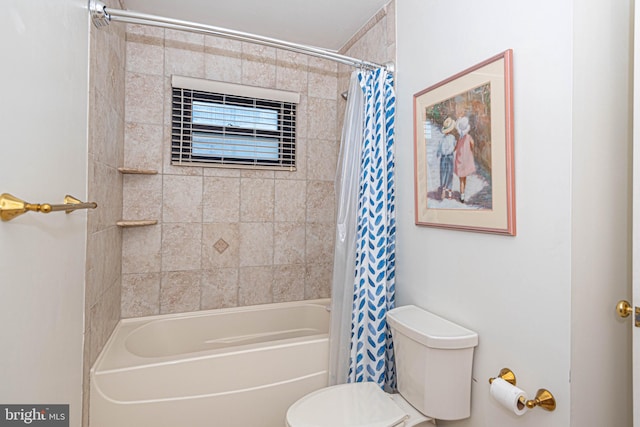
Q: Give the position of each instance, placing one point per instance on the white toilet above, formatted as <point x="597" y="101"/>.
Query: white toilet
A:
<point x="433" y="366"/>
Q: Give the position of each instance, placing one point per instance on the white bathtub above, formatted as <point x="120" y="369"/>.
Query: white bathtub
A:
<point x="230" y="367"/>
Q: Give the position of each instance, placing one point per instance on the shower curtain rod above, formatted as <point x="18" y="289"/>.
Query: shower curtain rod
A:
<point x="101" y="16"/>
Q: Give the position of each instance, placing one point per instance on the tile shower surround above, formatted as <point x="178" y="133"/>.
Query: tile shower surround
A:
<point x="225" y="237"/>
<point x="301" y="202"/>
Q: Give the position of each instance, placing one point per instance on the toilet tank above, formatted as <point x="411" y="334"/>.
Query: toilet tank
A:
<point x="434" y="357"/>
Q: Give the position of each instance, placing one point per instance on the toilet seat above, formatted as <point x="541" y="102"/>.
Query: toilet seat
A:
<point x="346" y="405"/>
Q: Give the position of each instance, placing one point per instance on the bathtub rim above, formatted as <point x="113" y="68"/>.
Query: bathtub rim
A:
<point x="126" y="326"/>
<point x="326" y="302"/>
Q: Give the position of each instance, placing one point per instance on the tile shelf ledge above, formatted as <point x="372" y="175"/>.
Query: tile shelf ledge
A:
<point x="137" y="171"/>
<point x="128" y="223"/>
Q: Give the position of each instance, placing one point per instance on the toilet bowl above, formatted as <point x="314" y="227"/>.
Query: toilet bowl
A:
<point x="433" y="361"/>
<point x="357" y="404"/>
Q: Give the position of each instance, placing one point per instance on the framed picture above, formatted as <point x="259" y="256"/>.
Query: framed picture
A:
<point x="463" y="149"/>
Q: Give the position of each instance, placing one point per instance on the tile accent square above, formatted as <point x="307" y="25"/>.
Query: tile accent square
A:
<point x="221" y="246"/>
<point x="213" y="235"/>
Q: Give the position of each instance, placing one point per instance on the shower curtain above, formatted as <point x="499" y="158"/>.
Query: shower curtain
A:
<point x="364" y="265"/>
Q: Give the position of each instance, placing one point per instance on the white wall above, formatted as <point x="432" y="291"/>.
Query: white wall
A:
<point x="516" y="291"/>
<point x="43" y="147"/>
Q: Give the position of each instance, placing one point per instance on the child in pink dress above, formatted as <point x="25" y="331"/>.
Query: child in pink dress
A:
<point x="464" y="164"/>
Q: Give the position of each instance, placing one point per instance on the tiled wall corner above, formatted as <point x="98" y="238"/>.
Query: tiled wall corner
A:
<point x="375" y="42"/>
<point x="104" y="186"/>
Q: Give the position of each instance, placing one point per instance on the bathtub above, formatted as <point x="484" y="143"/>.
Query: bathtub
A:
<point x="240" y="367"/>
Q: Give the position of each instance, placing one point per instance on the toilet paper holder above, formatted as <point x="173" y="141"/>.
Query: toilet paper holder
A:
<point x="544" y="399"/>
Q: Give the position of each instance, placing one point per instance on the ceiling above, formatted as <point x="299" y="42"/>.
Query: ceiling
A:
<point x="327" y="24"/>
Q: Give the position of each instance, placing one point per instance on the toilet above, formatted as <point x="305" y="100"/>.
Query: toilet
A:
<point x="433" y="359"/>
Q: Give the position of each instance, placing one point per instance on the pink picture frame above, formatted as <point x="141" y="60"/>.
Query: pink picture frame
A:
<point x="463" y="150"/>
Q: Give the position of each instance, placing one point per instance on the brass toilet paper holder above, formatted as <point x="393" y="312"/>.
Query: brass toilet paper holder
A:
<point x="544" y="399"/>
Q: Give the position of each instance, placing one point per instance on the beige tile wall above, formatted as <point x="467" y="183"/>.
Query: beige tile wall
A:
<point x="225" y="237"/>
<point x="375" y="42"/>
<point x="106" y="152"/>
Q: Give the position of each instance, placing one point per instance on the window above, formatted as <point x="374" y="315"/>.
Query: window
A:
<point x="223" y="124"/>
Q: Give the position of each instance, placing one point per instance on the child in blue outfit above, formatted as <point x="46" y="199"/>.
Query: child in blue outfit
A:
<point x="445" y="153"/>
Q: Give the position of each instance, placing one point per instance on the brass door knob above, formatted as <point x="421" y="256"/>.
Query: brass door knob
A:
<point x="624" y="309"/>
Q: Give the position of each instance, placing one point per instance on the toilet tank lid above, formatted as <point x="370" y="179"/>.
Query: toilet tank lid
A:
<point x="429" y="329"/>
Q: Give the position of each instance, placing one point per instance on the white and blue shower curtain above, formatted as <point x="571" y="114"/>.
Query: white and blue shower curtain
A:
<point x="368" y="277"/>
